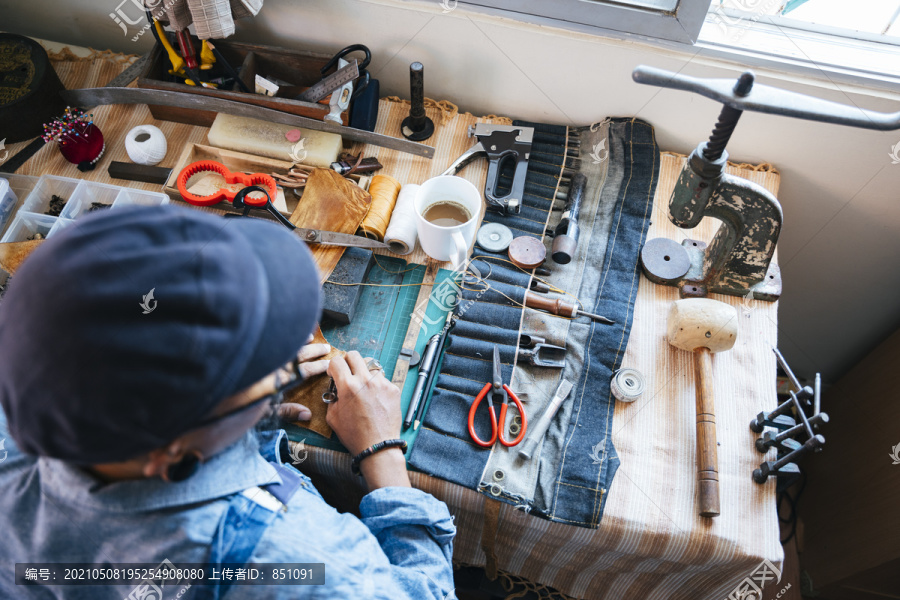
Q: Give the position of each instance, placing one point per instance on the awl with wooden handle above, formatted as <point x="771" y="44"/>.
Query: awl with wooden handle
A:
<point x="562" y="308"/>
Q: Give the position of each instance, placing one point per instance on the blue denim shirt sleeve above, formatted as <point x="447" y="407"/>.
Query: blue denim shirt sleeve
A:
<point x="401" y="549"/>
<point x="415" y="531"/>
<point x="9" y="452"/>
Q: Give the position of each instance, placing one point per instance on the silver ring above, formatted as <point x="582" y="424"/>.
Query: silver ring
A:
<point x="330" y="396"/>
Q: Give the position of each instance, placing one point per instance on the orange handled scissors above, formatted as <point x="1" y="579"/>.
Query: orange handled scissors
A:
<point x="490" y="390"/>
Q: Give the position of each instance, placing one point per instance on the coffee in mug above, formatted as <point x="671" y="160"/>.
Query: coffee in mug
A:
<point x="446" y="213"/>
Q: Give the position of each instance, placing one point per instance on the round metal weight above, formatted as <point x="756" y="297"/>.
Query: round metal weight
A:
<point x="627" y="385"/>
<point x="494" y="237"/>
<point x="665" y="259"/>
<point x="527" y="252"/>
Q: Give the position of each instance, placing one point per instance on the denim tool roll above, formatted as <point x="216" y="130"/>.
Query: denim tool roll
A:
<point x="568" y="478"/>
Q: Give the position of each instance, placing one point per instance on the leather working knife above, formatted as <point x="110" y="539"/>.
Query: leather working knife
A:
<point x="332" y="238"/>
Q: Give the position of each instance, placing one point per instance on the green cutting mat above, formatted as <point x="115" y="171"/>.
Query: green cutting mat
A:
<point x="379" y="327"/>
<point x="383" y="313"/>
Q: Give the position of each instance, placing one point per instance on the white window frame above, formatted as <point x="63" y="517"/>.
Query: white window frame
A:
<point x="784" y="44"/>
<point x="653" y="20"/>
<point x="810" y="52"/>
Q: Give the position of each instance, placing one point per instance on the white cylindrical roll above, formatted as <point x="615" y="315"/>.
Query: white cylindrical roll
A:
<point x="401" y="232"/>
<point x="146" y="145"/>
<point x="627" y="385"/>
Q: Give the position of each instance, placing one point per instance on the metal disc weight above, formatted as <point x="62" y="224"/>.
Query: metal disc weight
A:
<point x="494" y="237"/>
<point x="665" y="259"/>
<point x="527" y="252"/>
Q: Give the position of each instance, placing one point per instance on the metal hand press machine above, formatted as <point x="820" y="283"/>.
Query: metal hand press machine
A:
<point x="738" y="261"/>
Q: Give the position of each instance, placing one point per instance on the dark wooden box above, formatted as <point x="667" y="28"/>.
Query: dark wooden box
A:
<point x="301" y="69"/>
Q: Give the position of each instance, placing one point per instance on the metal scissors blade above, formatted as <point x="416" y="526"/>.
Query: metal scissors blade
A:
<point x="332" y="238"/>
<point x="498" y="376"/>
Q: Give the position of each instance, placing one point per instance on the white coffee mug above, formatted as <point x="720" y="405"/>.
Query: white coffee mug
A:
<point x="447" y="243"/>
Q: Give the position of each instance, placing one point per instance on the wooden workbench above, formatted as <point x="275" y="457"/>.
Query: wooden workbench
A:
<point x="651" y="543"/>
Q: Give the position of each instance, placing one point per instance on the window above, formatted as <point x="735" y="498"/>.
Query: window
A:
<point x="675" y="20"/>
<point x="858" y="41"/>
<point x="840" y="40"/>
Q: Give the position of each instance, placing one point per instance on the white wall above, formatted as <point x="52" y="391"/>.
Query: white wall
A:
<point x="840" y="248"/>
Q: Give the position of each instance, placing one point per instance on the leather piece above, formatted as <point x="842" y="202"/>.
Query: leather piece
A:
<point x="13" y="254"/>
<point x="489" y="536"/>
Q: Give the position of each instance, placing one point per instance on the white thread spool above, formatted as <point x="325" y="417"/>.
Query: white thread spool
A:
<point x="146" y="145"/>
<point x="401" y="232"/>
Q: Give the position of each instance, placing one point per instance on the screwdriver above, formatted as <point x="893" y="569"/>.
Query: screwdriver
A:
<point x="562" y="308"/>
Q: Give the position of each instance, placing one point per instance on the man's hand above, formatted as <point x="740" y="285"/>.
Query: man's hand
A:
<point x="367" y="412"/>
<point x="309" y="367"/>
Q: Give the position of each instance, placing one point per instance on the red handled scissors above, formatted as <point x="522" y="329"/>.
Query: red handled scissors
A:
<point x="492" y="390"/>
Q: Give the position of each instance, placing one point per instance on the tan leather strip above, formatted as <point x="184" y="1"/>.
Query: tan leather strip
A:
<point x="489" y="536"/>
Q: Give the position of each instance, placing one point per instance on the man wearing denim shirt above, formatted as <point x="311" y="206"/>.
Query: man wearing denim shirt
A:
<point x="131" y="419"/>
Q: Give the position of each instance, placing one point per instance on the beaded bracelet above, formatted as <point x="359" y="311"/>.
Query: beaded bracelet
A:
<point x="398" y="443"/>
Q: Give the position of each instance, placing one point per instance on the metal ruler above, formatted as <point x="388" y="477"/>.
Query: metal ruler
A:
<point x="131" y="73"/>
<point x="121" y="80"/>
<point x="345" y="74"/>
<point x="104" y="95"/>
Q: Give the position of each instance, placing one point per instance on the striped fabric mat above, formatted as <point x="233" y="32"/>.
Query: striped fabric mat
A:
<point x="651" y="545"/>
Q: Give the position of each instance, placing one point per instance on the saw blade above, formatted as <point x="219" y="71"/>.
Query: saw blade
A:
<point x="99" y="96"/>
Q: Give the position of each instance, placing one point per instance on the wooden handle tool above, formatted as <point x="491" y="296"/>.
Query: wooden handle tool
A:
<point x="704" y="326"/>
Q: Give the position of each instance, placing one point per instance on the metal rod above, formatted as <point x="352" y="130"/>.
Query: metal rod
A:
<point x="817" y="395"/>
<point x="787" y="370"/>
<point x="803" y="418"/>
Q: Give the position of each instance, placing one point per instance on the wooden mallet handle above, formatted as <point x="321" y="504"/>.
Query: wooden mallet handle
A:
<point x="707" y="456"/>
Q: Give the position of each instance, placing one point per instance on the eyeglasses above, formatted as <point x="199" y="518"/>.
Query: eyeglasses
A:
<point x="286" y="378"/>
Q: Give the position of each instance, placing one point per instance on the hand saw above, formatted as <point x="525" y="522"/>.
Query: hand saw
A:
<point x="96" y="96"/>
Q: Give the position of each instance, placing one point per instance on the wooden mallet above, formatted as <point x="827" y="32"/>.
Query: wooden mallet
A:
<point x="704" y="326"/>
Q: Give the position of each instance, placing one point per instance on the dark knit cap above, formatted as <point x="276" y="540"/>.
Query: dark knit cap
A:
<point x="94" y="369"/>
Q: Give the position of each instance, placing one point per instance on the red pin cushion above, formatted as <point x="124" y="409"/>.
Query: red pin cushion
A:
<point x="260" y="179"/>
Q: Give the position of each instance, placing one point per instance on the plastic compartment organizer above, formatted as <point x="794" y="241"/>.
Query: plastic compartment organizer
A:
<point x="78" y="194"/>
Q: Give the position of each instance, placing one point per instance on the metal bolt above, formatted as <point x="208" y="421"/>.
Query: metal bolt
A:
<point x="770" y="438"/>
<point x="769" y="467"/>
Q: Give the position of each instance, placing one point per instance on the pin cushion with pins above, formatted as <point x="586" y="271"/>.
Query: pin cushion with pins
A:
<point x="79" y="140"/>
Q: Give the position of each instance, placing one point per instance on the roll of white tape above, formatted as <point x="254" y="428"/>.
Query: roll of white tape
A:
<point x="401" y="232"/>
<point x="146" y="145"/>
